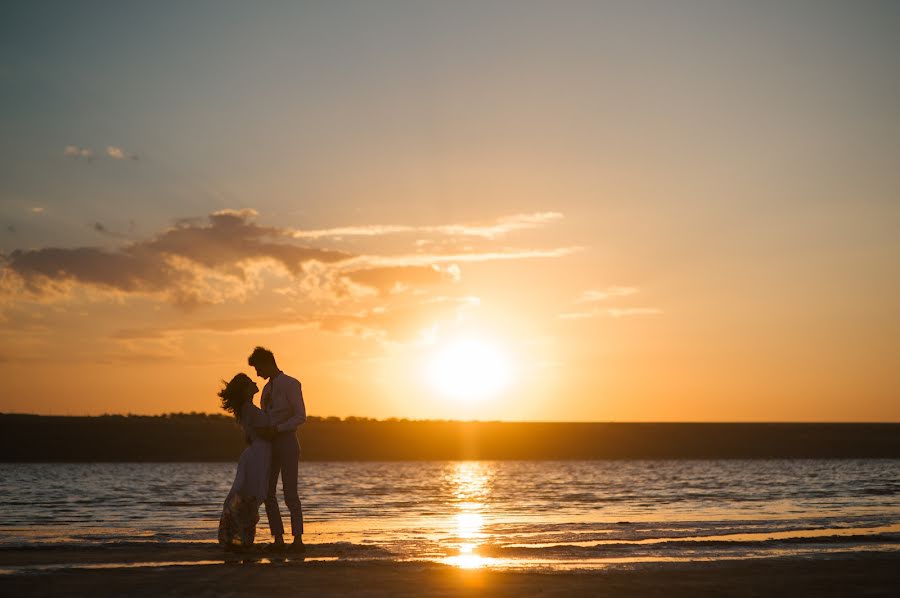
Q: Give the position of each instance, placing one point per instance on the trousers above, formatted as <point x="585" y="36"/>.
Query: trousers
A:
<point x="285" y="462"/>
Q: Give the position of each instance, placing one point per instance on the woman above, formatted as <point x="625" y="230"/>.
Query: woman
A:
<point x="237" y="527"/>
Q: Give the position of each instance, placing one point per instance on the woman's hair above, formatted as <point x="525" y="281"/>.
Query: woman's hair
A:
<point x="234" y="395"/>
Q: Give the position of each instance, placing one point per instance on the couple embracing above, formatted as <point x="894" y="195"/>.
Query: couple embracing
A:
<point x="270" y="431"/>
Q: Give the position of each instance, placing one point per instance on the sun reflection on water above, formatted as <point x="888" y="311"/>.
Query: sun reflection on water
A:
<point x="468" y="525"/>
<point x="470" y="483"/>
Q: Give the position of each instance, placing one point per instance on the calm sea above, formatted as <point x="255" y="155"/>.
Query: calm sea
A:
<point x="472" y="513"/>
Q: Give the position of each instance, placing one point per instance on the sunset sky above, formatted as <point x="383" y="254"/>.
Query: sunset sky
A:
<point x="601" y="211"/>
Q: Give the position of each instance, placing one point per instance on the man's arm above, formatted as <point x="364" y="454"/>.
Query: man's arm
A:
<point x="298" y="409"/>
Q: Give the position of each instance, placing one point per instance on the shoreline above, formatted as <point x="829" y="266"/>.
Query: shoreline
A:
<point x="204" y="569"/>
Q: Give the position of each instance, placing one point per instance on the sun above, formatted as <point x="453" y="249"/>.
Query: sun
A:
<point x="469" y="369"/>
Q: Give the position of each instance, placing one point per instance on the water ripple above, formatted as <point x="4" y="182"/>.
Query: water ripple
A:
<point x="468" y="508"/>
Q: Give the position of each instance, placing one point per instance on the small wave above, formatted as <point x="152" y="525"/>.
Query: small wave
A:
<point x="329" y="549"/>
<point x="624" y="547"/>
<point x="879" y="491"/>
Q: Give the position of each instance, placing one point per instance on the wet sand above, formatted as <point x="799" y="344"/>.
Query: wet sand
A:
<point x="202" y="570"/>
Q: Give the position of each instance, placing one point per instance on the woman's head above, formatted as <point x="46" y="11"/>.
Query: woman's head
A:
<point x="236" y="393"/>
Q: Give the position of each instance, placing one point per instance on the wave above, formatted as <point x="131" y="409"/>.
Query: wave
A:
<point x="176" y="549"/>
<point x="661" y="547"/>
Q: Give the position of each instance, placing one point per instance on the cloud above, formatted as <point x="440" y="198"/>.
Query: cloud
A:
<point x="633" y="311"/>
<point x="397" y="278"/>
<point x="79" y="153"/>
<point x="117" y="153"/>
<point x="384" y="322"/>
<point x="37" y="210"/>
<point x="369" y="230"/>
<point x="188" y="264"/>
<point x="485" y="256"/>
<point x="227" y="256"/>
<point x="400" y="323"/>
<point x="129" y="270"/>
<point x="368" y="275"/>
<point x="85" y="153"/>
<point x="218" y="326"/>
<point x="500" y="227"/>
<point x="611" y="312"/>
<point x="231" y="238"/>
<point x="594" y="297"/>
<point x="101" y="228"/>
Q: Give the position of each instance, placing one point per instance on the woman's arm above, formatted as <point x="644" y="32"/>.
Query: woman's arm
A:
<point x="258" y="417"/>
<point x="259" y="421"/>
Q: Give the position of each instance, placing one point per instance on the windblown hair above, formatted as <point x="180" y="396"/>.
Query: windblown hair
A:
<point x="234" y="395"/>
<point x="260" y="356"/>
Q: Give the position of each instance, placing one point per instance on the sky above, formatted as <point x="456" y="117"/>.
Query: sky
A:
<point x="521" y="211"/>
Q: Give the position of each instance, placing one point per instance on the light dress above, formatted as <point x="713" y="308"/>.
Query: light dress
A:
<point x="240" y="513"/>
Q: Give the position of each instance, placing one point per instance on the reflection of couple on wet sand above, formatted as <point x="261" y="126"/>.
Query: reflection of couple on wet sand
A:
<point x="272" y="450"/>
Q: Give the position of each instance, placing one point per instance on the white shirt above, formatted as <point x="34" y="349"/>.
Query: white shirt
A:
<point x="286" y="409"/>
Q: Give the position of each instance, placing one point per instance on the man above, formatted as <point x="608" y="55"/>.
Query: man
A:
<point x="282" y="400"/>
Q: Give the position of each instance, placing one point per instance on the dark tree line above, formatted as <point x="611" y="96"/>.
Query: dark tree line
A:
<point x="201" y="437"/>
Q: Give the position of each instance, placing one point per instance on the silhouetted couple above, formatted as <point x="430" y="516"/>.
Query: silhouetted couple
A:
<point x="270" y="431"/>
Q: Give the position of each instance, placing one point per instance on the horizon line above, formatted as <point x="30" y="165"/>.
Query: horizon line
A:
<point x="393" y="419"/>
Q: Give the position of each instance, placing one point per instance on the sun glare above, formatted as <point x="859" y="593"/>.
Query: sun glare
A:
<point x="469" y="369"/>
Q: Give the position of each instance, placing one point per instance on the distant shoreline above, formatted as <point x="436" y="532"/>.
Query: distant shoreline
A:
<point x="202" y="437"/>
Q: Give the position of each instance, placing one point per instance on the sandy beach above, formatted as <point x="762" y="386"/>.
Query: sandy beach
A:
<point x="204" y="570"/>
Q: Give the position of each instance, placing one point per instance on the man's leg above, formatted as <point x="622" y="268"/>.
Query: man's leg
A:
<point x="272" y="512"/>
<point x="290" y="461"/>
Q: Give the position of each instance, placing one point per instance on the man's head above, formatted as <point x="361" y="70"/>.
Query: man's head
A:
<point x="264" y="361"/>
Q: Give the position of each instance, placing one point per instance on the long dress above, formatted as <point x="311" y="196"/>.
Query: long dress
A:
<point x="240" y="513"/>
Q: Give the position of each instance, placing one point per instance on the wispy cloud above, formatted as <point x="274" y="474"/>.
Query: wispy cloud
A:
<point x="117" y="153"/>
<point x="632" y="311"/>
<point x="405" y="322"/>
<point x="592" y="296"/>
<point x="78" y="152"/>
<point x="277" y="323"/>
<point x="591" y="302"/>
<point x="398" y="278"/>
<point x="484" y="256"/>
<point x="85" y="153"/>
<point x="398" y="323"/>
<point x="499" y="227"/>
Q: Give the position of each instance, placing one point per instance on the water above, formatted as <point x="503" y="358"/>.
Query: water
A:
<point x="480" y="513"/>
